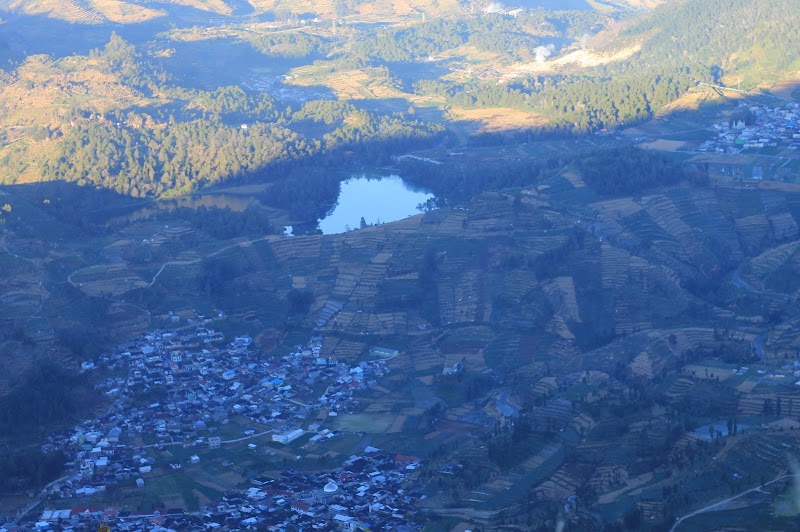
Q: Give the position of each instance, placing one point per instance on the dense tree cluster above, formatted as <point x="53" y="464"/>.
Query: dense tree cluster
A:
<point x="577" y="104"/>
<point x="225" y="224"/>
<point x="691" y="41"/>
<point x="324" y="111"/>
<point x="205" y="137"/>
<point x="708" y="38"/>
<point x="48" y="394"/>
<point x="626" y="171"/>
<point x="297" y="44"/>
<point x="509" y="38"/>
<point x="121" y="59"/>
<point x="28" y="468"/>
<point x="234" y="104"/>
<point x="174" y="159"/>
<point x="307" y="192"/>
<point x="459" y="180"/>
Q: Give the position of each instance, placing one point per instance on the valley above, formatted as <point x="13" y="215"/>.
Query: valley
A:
<point x="421" y="265"/>
<point x="524" y="305"/>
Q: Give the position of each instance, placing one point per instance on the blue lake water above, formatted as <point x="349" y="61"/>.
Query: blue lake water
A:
<point x="376" y="199"/>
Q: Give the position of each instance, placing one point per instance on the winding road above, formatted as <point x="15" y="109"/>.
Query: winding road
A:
<point x="718" y="505"/>
<point x="758" y="341"/>
<point x="184" y="262"/>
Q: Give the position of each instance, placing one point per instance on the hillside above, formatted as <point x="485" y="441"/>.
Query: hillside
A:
<point x="743" y="43"/>
<point x="591" y="319"/>
<point x="137" y="11"/>
<point x="449" y="77"/>
<point x="599" y="314"/>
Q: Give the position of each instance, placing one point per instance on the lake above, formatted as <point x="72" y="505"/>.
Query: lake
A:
<point x="377" y="199"/>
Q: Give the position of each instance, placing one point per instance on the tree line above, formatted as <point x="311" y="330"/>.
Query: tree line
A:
<point x="205" y="137"/>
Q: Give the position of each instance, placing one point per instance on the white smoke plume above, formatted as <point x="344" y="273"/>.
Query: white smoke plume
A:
<point x="493" y="7"/>
<point x="543" y="52"/>
<point x="584" y="41"/>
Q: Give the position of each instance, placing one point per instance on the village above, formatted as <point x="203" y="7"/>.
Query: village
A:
<point x="209" y="381"/>
<point x="756" y="127"/>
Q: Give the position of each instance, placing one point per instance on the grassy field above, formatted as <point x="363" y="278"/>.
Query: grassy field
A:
<point x="475" y="121"/>
<point x="361" y="84"/>
<point x="374" y="423"/>
<point x="116" y="11"/>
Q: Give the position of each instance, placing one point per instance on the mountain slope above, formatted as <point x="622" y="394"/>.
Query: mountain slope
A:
<point x="732" y="41"/>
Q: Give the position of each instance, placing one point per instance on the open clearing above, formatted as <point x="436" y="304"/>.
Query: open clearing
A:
<point x="497" y="119"/>
<point x="664" y="145"/>
<point x="365" y="422"/>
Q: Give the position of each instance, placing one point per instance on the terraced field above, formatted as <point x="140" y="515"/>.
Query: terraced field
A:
<point x="112" y="280"/>
<point x="612" y="328"/>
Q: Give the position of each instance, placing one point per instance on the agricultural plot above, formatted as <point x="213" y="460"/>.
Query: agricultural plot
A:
<point x="424" y="359"/>
<point x="21" y="290"/>
<point x="761" y="268"/>
<point x="753" y="230"/>
<point x="128" y="320"/>
<point x="342" y="349"/>
<point x="378" y="422"/>
<point x="108" y="279"/>
<point x="522" y="327"/>
<point x="562" y="295"/>
<point x="616" y="208"/>
<point x="498" y="492"/>
<point x="21" y="302"/>
<point x="459" y="299"/>
<point x="783" y="340"/>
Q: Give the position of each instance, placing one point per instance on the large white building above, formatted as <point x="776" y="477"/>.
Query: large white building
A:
<point x="288" y="437"/>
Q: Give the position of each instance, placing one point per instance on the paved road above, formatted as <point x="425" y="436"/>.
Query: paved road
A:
<point x="237" y="440"/>
<point x="42" y="495"/>
<point x="223" y="442"/>
<point x="720" y="504"/>
<point x="741" y="283"/>
<point x="758" y="341"/>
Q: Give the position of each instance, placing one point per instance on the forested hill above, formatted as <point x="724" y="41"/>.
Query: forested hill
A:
<point x="122" y="117"/>
<point x="138" y="11"/>
<point x="732" y="41"/>
<point x="665" y="53"/>
<point x="175" y="140"/>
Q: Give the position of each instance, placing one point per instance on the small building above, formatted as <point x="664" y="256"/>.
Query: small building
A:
<point x="194" y="459"/>
<point x="139" y="482"/>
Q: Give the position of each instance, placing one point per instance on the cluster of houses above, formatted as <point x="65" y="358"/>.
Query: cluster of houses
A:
<point x="180" y="387"/>
<point x="770" y="128"/>
<point x="369" y="491"/>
